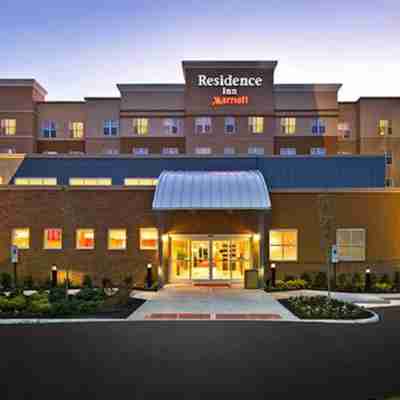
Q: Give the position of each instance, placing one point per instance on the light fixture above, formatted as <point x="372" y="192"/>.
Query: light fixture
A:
<point x="164" y="237"/>
<point x="54" y="268"/>
<point x="256" y="236"/>
<point x="273" y="265"/>
<point x="149" y="266"/>
<point x="367" y="271"/>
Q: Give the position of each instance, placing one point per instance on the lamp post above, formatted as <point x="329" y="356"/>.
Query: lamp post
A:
<point x="273" y="274"/>
<point x="54" y="274"/>
<point x="367" y="280"/>
<point x="149" y="278"/>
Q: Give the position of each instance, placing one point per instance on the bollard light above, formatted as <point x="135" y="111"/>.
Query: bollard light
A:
<point x="54" y="279"/>
<point x="273" y="273"/>
<point x="367" y="280"/>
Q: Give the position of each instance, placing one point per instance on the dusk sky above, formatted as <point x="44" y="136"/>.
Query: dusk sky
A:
<point x="83" y="48"/>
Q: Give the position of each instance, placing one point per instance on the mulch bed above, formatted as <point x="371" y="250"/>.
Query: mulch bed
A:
<point x="115" y="312"/>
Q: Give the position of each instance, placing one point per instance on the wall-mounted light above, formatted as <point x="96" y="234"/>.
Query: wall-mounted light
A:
<point x="164" y="238"/>
<point x="256" y="236"/>
<point x="273" y="266"/>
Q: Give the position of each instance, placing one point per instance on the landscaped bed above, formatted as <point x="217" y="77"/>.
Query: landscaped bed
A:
<point x="323" y="307"/>
<point x="87" y="303"/>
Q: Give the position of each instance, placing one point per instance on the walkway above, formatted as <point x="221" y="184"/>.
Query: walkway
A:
<point x="183" y="302"/>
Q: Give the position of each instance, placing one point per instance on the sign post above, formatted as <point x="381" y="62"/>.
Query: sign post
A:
<point x="14" y="260"/>
<point x="334" y="260"/>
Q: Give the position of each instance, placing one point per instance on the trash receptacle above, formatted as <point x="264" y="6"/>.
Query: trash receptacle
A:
<point x="251" y="279"/>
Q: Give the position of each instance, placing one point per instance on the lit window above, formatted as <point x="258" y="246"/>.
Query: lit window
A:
<point x="255" y="150"/>
<point x="20" y="238"/>
<point x="8" y="127"/>
<point x="140" y="126"/>
<point x="140" y="182"/>
<point x="76" y="130"/>
<point x="49" y="129"/>
<point x="85" y="239"/>
<point x="388" y="157"/>
<point x="203" y="150"/>
<point x="229" y="151"/>
<point x="202" y="125"/>
<point x="318" y="127"/>
<point x="110" y="127"/>
<point x="52" y="239"/>
<point x="384" y="127"/>
<point x="140" y="151"/>
<point x="230" y="125"/>
<point x="318" y="151"/>
<point x="171" y="126"/>
<point x="170" y="150"/>
<point x="283" y="245"/>
<point x="116" y="239"/>
<point x="148" y="238"/>
<point x="288" y="125"/>
<point x="344" y="130"/>
<point x="351" y="244"/>
<point x="256" y="124"/>
<point x="287" y="151"/>
<point x="35" y="181"/>
<point x="1" y="180"/>
<point x="90" y="181"/>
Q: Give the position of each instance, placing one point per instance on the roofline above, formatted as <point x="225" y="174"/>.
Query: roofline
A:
<point x="307" y="87"/>
<point x="151" y="87"/>
<point x="62" y="102"/>
<point x="229" y="64"/>
<point x="24" y="83"/>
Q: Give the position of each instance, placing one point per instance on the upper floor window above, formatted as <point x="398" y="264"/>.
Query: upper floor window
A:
<point x="230" y="125"/>
<point x="140" y="151"/>
<point x="148" y="239"/>
<point x="117" y="239"/>
<point x="283" y="245"/>
<point x="351" y="244"/>
<point x="52" y="239"/>
<point x="288" y="125"/>
<point x="8" y="127"/>
<point x="111" y="127"/>
<point x="202" y="124"/>
<point x="85" y="239"/>
<point x="287" y="151"/>
<point x="203" y="150"/>
<point x="140" y="181"/>
<point x="384" y="127"/>
<point x="318" y="127"/>
<point x="20" y="238"/>
<point x="1" y="180"/>
<point x="49" y="129"/>
<point x="344" y="130"/>
<point x="170" y="151"/>
<point x="318" y="151"/>
<point x="76" y="129"/>
<point x="228" y="151"/>
<point x="35" y="181"/>
<point x="140" y="126"/>
<point x="171" y="126"/>
<point x="256" y="124"/>
<point x="90" y="181"/>
<point x="255" y="150"/>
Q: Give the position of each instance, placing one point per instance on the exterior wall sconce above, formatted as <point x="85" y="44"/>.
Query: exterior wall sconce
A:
<point x="54" y="276"/>
<point x="256" y="236"/>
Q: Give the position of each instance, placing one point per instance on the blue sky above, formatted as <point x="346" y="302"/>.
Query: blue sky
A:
<point x="83" y="48"/>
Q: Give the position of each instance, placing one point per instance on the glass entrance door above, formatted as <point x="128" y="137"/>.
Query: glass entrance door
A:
<point x="200" y="259"/>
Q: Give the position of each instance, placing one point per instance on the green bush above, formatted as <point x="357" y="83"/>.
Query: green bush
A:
<point x="87" y="307"/>
<point x="87" y="294"/>
<point x="305" y="276"/>
<point x="28" y="282"/>
<point x="320" y="281"/>
<point x="6" y="280"/>
<point x="57" y="294"/>
<point x="289" y="278"/>
<point x="396" y="280"/>
<point x="383" y="287"/>
<point x="296" y="284"/>
<point x="279" y="284"/>
<point x="13" y="304"/>
<point x="385" y="279"/>
<point x="87" y="282"/>
<point x="342" y="281"/>
<point x="39" y="306"/>
<point x="357" y="282"/>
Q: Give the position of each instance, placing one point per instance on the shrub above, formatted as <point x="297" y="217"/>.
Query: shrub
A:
<point x="39" y="296"/>
<point x="357" y="282"/>
<point x="383" y="287"/>
<point x="39" y="306"/>
<point x="320" y="280"/>
<point x="396" y="280"/>
<point x="374" y="279"/>
<point x="296" y="284"/>
<point x="279" y="284"/>
<point x="289" y="278"/>
<point x="87" y="282"/>
<point x="6" y="280"/>
<point x="87" y="294"/>
<point x="28" y="282"/>
<point x="342" y="281"/>
<point x="87" y="307"/>
<point x="57" y="294"/>
<point x="385" y="279"/>
<point x="305" y="276"/>
<point x="14" y="304"/>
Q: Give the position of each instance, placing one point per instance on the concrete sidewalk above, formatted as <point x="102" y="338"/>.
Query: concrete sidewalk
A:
<point x="201" y="301"/>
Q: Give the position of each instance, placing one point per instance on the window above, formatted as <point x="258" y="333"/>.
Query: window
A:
<point x="384" y="127"/>
<point x="255" y="150"/>
<point x="388" y="157"/>
<point x="351" y="244"/>
<point x="49" y="129"/>
<point x="85" y="239"/>
<point x="148" y="239"/>
<point x="318" y="127"/>
<point x="116" y="239"/>
<point x="288" y="125"/>
<point x="140" y="182"/>
<point x="318" y="151"/>
<point x="256" y="124"/>
<point x="170" y="150"/>
<point x="287" y="151"/>
<point x="140" y="151"/>
<point x="20" y="238"/>
<point x="52" y="239"/>
<point x="389" y="182"/>
<point x="171" y="126"/>
<point x="283" y="245"/>
<point x="140" y="126"/>
<point x="344" y="130"/>
<point x="8" y="127"/>
<point x="229" y="151"/>
<point x="202" y="125"/>
<point x="230" y="125"/>
<point x="35" y="181"/>
<point x="90" y="181"/>
<point x="111" y="127"/>
<point x="76" y="130"/>
<point x="202" y="150"/>
<point x="1" y="180"/>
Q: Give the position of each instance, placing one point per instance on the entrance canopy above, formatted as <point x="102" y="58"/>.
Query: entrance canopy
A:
<point x="211" y="190"/>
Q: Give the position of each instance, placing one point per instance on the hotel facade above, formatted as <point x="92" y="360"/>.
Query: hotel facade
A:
<point x="203" y="180"/>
